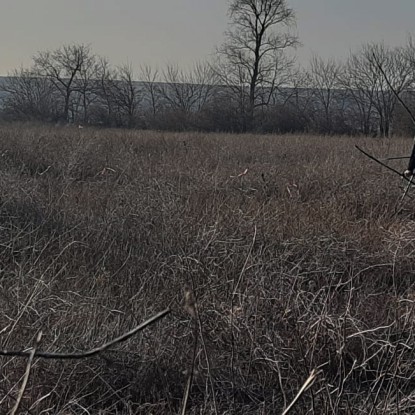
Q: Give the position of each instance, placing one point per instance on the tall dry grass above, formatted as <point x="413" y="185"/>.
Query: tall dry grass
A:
<point x="296" y="265"/>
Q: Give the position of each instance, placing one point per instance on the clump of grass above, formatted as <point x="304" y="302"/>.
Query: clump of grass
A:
<point x="288" y="243"/>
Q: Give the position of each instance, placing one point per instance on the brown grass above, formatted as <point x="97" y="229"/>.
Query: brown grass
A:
<point x="296" y="266"/>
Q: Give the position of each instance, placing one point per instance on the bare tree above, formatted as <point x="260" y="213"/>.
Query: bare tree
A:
<point x="106" y="92"/>
<point x="63" y="67"/>
<point x="409" y="56"/>
<point x="178" y="90"/>
<point x="406" y="109"/>
<point x="234" y="91"/>
<point x="324" y="77"/>
<point x="299" y="98"/>
<point x="128" y="96"/>
<point x="87" y="85"/>
<point x="372" y="90"/>
<point x="205" y="81"/>
<point x="252" y="59"/>
<point x="360" y="84"/>
<point x="185" y="93"/>
<point x="151" y="87"/>
<point x="394" y="77"/>
<point x="28" y="96"/>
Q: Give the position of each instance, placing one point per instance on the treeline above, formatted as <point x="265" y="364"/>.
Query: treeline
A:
<point x="252" y="84"/>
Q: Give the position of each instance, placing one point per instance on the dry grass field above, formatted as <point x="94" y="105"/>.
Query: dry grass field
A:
<point x="297" y="265"/>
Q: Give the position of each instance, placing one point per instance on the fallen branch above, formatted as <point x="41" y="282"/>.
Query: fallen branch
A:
<point x="89" y="353"/>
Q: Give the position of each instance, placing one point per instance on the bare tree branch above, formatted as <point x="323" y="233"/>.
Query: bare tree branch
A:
<point x="252" y="56"/>
<point x="89" y="353"/>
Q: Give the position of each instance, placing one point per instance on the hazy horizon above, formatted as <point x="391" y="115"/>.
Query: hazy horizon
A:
<point x="186" y="31"/>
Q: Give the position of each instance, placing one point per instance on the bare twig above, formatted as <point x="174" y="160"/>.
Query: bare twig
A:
<point x="382" y="164"/>
<point x="408" y="186"/>
<point x="234" y="292"/>
<point x="208" y="365"/>
<point x="187" y="393"/>
<point x="396" y="158"/>
<point x="89" y="353"/>
<point x="307" y="384"/>
<point x="26" y="376"/>
<point x="245" y="263"/>
<point x="190" y="307"/>
<point x="369" y="331"/>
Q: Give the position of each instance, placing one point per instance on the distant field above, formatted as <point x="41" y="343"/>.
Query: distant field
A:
<point x="288" y="243"/>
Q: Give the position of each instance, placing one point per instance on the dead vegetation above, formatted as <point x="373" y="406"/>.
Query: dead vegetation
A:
<point x="285" y="248"/>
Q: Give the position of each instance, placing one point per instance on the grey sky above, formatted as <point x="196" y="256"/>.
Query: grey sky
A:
<point x="183" y="31"/>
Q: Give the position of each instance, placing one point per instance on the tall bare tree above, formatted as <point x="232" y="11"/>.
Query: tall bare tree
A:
<point x="63" y="67"/>
<point x="251" y="59"/>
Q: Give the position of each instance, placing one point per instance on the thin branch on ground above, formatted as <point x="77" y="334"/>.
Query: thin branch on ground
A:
<point x="89" y="353"/>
